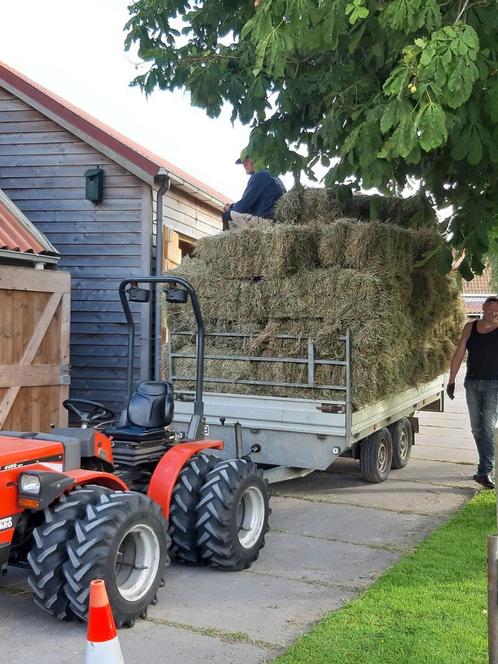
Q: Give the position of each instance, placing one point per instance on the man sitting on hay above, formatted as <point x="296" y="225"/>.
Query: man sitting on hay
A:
<point x="257" y="205"/>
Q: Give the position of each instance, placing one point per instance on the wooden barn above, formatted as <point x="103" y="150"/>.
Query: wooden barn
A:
<point x="34" y="326"/>
<point x="96" y="196"/>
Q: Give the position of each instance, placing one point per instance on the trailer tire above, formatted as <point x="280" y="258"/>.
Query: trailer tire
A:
<point x="49" y="552"/>
<point x="182" y="516"/>
<point x="402" y="436"/>
<point x="376" y="456"/>
<point x="232" y="515"/>
<point x="123" y="540"/>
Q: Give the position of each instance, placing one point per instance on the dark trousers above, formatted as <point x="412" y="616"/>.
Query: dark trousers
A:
<point x="482" y="402"/>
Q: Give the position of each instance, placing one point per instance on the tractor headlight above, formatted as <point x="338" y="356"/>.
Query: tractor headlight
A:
<point x="29" y="484"/>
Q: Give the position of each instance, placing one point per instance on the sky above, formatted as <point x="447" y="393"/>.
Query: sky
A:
<point x="75" y="49"/>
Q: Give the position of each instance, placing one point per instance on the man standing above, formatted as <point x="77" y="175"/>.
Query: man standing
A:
<point x="480" y="340"/>
<point x="256" y="207"/>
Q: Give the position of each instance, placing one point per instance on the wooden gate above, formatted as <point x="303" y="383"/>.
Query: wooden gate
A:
<point x="34" y="348"/>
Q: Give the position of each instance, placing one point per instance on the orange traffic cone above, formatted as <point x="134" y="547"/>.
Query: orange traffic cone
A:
<point x="102" y="637"/>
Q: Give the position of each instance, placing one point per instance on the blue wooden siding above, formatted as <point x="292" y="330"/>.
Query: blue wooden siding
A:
<point x="42" y="170"/>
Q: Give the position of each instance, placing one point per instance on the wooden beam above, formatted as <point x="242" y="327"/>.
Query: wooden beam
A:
<point x="29" y="376"/>
<point x="42" y="281"/>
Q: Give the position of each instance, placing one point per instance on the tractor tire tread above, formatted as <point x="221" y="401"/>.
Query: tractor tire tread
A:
<point x="48" y="553"/>
<point x="182" y="516"/>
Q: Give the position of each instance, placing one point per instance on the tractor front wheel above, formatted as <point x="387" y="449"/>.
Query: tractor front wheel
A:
<point x="123" y="540"/>
<point x="48" y="554"/>
<point x="232" y="515"/>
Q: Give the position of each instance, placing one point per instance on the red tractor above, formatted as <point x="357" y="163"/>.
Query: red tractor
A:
<point x="115" y="499"/>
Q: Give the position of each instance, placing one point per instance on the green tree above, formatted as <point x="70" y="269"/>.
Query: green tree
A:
<point x="380" y="92"/>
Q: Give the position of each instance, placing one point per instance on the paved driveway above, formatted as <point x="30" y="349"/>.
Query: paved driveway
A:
<point x="331" y="536"/>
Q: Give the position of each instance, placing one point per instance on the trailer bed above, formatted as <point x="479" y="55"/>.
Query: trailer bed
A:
<point x="300" y="433"/>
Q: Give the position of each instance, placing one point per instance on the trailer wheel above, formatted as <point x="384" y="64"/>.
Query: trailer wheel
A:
<point x="49" y="553"/>
<point x="402" y="436"/>
<point x="376" y="456"/>
<point x="232" y="515"/>
<point x="123" y="540"/>
<point x="182" y="516"/>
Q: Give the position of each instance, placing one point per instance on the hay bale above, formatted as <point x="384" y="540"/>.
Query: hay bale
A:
<point x="259" y="252"/>
<point x="382" y="248"/>
<point x="289" y="208"/>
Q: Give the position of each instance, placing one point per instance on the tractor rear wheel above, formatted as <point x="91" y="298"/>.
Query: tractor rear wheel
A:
<point x="232" y="515"/>
<point x="123" y="540"/>
<point x="182" y="516"/>
<point x="49" y="552"/>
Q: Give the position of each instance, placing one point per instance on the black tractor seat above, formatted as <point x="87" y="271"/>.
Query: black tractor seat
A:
<point x="149" y="412"/>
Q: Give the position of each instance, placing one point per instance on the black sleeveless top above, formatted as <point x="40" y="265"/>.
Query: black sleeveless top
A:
<point x="482" y="360"/>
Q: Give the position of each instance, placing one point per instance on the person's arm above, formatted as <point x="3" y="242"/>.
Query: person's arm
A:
<point x="457" y="359"/>
<point x="459" y="354"/>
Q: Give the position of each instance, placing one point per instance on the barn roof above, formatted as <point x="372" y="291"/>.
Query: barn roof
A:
<point x="474" y="292"/>
<point x="479" y="285"/>
<point x="144" y="164"/>
<point x="19" y="238"/>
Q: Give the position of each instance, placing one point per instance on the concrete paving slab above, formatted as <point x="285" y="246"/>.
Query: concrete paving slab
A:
<point x="434" y="453"/>
<point x="323" y="561"/>
<point x="451" y="474"/>
<point x="394" y="495"/>
<point x="30" y="636"/>
<point x="457" y="436"/>
<point x="453" y="420"/>
<point x="147" y="641"/>
<point x="347" y="523"/>
<point x="261" y="607"/>
<point x="447" y="441"/>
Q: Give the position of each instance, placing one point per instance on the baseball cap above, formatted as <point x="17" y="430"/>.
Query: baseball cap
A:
<point x="243" y="155"/>
<point x="492" y="298"/>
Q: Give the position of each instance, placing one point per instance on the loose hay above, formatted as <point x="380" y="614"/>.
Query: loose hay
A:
<point x="314" y="282"/>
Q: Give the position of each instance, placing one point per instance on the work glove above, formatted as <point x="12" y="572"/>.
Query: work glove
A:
<point x="450" y="390"/>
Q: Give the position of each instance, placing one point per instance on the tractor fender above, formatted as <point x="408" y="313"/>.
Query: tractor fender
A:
<point x="165" y="475"/>
<point x="107" y="480"/>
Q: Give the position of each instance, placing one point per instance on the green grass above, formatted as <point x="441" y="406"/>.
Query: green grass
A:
<point x="431" y="607"/>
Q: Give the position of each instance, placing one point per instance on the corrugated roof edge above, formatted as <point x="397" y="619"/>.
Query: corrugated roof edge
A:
<point x="134" y="157"/>
<point x="18" y="235"/>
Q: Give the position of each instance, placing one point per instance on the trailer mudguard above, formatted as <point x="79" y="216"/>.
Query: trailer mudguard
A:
<point x="167" y="470"/>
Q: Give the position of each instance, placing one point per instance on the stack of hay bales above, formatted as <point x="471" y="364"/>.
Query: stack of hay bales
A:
<point x="316" y="277"/>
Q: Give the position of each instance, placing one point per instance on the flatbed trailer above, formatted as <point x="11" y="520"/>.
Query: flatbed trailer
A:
<point x="292" y="437"/>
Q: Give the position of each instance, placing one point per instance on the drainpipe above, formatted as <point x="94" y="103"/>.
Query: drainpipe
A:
<point x="165" y="184"/>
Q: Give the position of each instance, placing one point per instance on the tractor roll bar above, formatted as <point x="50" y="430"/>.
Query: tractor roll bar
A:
<point x="195" y="425"/>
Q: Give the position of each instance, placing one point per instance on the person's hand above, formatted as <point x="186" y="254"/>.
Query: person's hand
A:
<point x="450" y="390"/>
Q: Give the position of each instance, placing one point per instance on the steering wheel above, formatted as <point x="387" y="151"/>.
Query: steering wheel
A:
<point x="96" y="413"/>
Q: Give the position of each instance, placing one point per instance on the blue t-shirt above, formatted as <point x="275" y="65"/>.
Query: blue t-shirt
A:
<point x="260" y="195"/>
